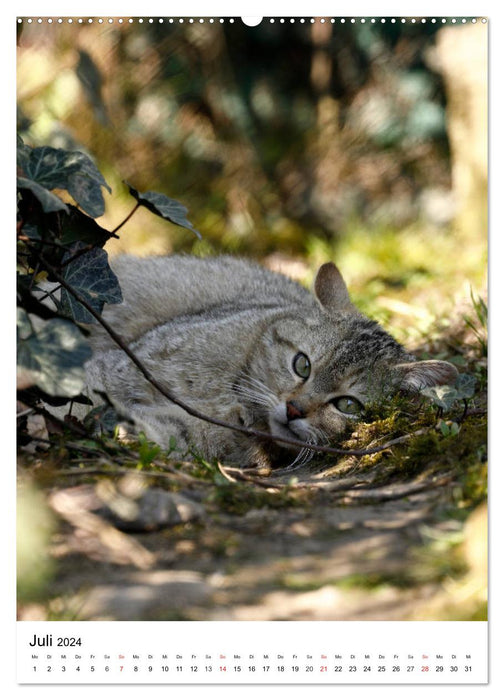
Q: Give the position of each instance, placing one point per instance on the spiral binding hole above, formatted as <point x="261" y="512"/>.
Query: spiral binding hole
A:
<point x="250" y="21"/>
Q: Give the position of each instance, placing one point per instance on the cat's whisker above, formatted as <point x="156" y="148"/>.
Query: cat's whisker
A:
<point x="260" y="386"/>
<point x="304" y="456"/>
<point x="295" y="464"/>
<point x="253" y="396"/>
<point x="320" y="436"/>
<point x="254" y="388"/>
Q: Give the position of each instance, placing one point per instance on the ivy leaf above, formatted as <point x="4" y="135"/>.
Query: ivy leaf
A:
<point x="48" y="166"/>
<point x="465" y="386"/>
<point x="49" y="201"/>
<point x="55" y="168"/>
<point x="78" y="227"/>
<point x="85" y="186"/>
<point x="53" y="356"/>
<point x="86" y="193"/>
<point x="443" y="395"/>
<point x="164" y="206"/>
<point x="22" y="153"/>
<point x="92" y="278"/>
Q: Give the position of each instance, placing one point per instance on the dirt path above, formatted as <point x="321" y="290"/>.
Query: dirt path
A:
<point x="128" y="549"/>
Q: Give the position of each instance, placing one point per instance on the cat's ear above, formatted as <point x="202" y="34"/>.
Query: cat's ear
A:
<point x="331" y="290"/>
<point x="415" y="376"/>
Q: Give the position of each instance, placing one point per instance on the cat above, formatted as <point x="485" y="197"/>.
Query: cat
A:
<point x="248" y="346"/>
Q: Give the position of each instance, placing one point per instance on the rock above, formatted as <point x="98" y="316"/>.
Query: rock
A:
<point x="152" y="510"/>
<point x="131" y="505"/>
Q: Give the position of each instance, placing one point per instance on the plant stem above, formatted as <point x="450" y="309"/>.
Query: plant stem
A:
<point x="126" y="219"/>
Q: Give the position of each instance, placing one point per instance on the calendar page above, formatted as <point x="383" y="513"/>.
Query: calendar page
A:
<point x="251" y="348"/>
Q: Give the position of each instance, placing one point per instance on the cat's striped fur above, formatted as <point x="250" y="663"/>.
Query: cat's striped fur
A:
<point x="250" y="347"/>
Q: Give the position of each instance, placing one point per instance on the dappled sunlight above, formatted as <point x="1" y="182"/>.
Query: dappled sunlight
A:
<point x="291" y="145"/>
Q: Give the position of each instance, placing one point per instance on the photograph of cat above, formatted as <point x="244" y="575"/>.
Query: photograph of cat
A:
<point x="251" y="347"/>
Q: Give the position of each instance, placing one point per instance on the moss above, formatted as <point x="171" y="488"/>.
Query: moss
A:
<point x="429" y="452"/>
<point x="458" y="452"/>
<point x="238" y="499"/>
<point x="299" y="583"/>
<point x="372" y="581"/>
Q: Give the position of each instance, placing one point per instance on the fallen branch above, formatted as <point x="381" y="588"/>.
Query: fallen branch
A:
<point x="120" y="471"/>
<point x="328" y="485"/>
<point x="225" y="473"/>
<point x="396" y="491"/>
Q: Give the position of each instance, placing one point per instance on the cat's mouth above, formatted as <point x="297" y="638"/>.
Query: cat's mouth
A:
<point x="281" y="427"/>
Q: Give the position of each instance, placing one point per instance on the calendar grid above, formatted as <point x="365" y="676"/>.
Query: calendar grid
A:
<point x="321" y="653"/>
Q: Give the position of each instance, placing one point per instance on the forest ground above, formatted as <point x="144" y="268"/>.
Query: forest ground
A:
<point x="108" y="531"/>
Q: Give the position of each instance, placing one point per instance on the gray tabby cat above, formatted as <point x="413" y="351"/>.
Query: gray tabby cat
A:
<point x="248" y="346"/>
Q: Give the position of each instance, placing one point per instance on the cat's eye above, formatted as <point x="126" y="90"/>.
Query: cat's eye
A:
<point x="301" y="365"/>
<point x="348" y="405"/>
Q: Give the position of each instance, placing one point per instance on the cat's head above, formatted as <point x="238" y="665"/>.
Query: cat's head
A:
<point x="317" y="369"/>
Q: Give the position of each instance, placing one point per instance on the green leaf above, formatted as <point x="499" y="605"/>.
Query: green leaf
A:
<point x="87" y="194"/>
<point x="48" y="166"/>
<point x="78" y="227"/>
<point x="55" y="168"/>
<point x="147" y="451"/>
<point x="449" y="428"/>
<point x="443" y="396"/>
<point x="92" y="278"/>
<point x="22" y="152"/>
<point x="165" y="207"/>
<point x="87" y="167"/>
<point x="465" y="386"/>
<point x="52" y="357"/>
<point x="49" y="201"/>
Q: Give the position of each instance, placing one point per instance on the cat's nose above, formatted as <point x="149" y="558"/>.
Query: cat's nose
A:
<point x="294" y="411"/>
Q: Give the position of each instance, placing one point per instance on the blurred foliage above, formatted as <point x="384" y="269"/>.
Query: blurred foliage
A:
<point x="35" y="525"/>
<point x="269" y="134"/>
